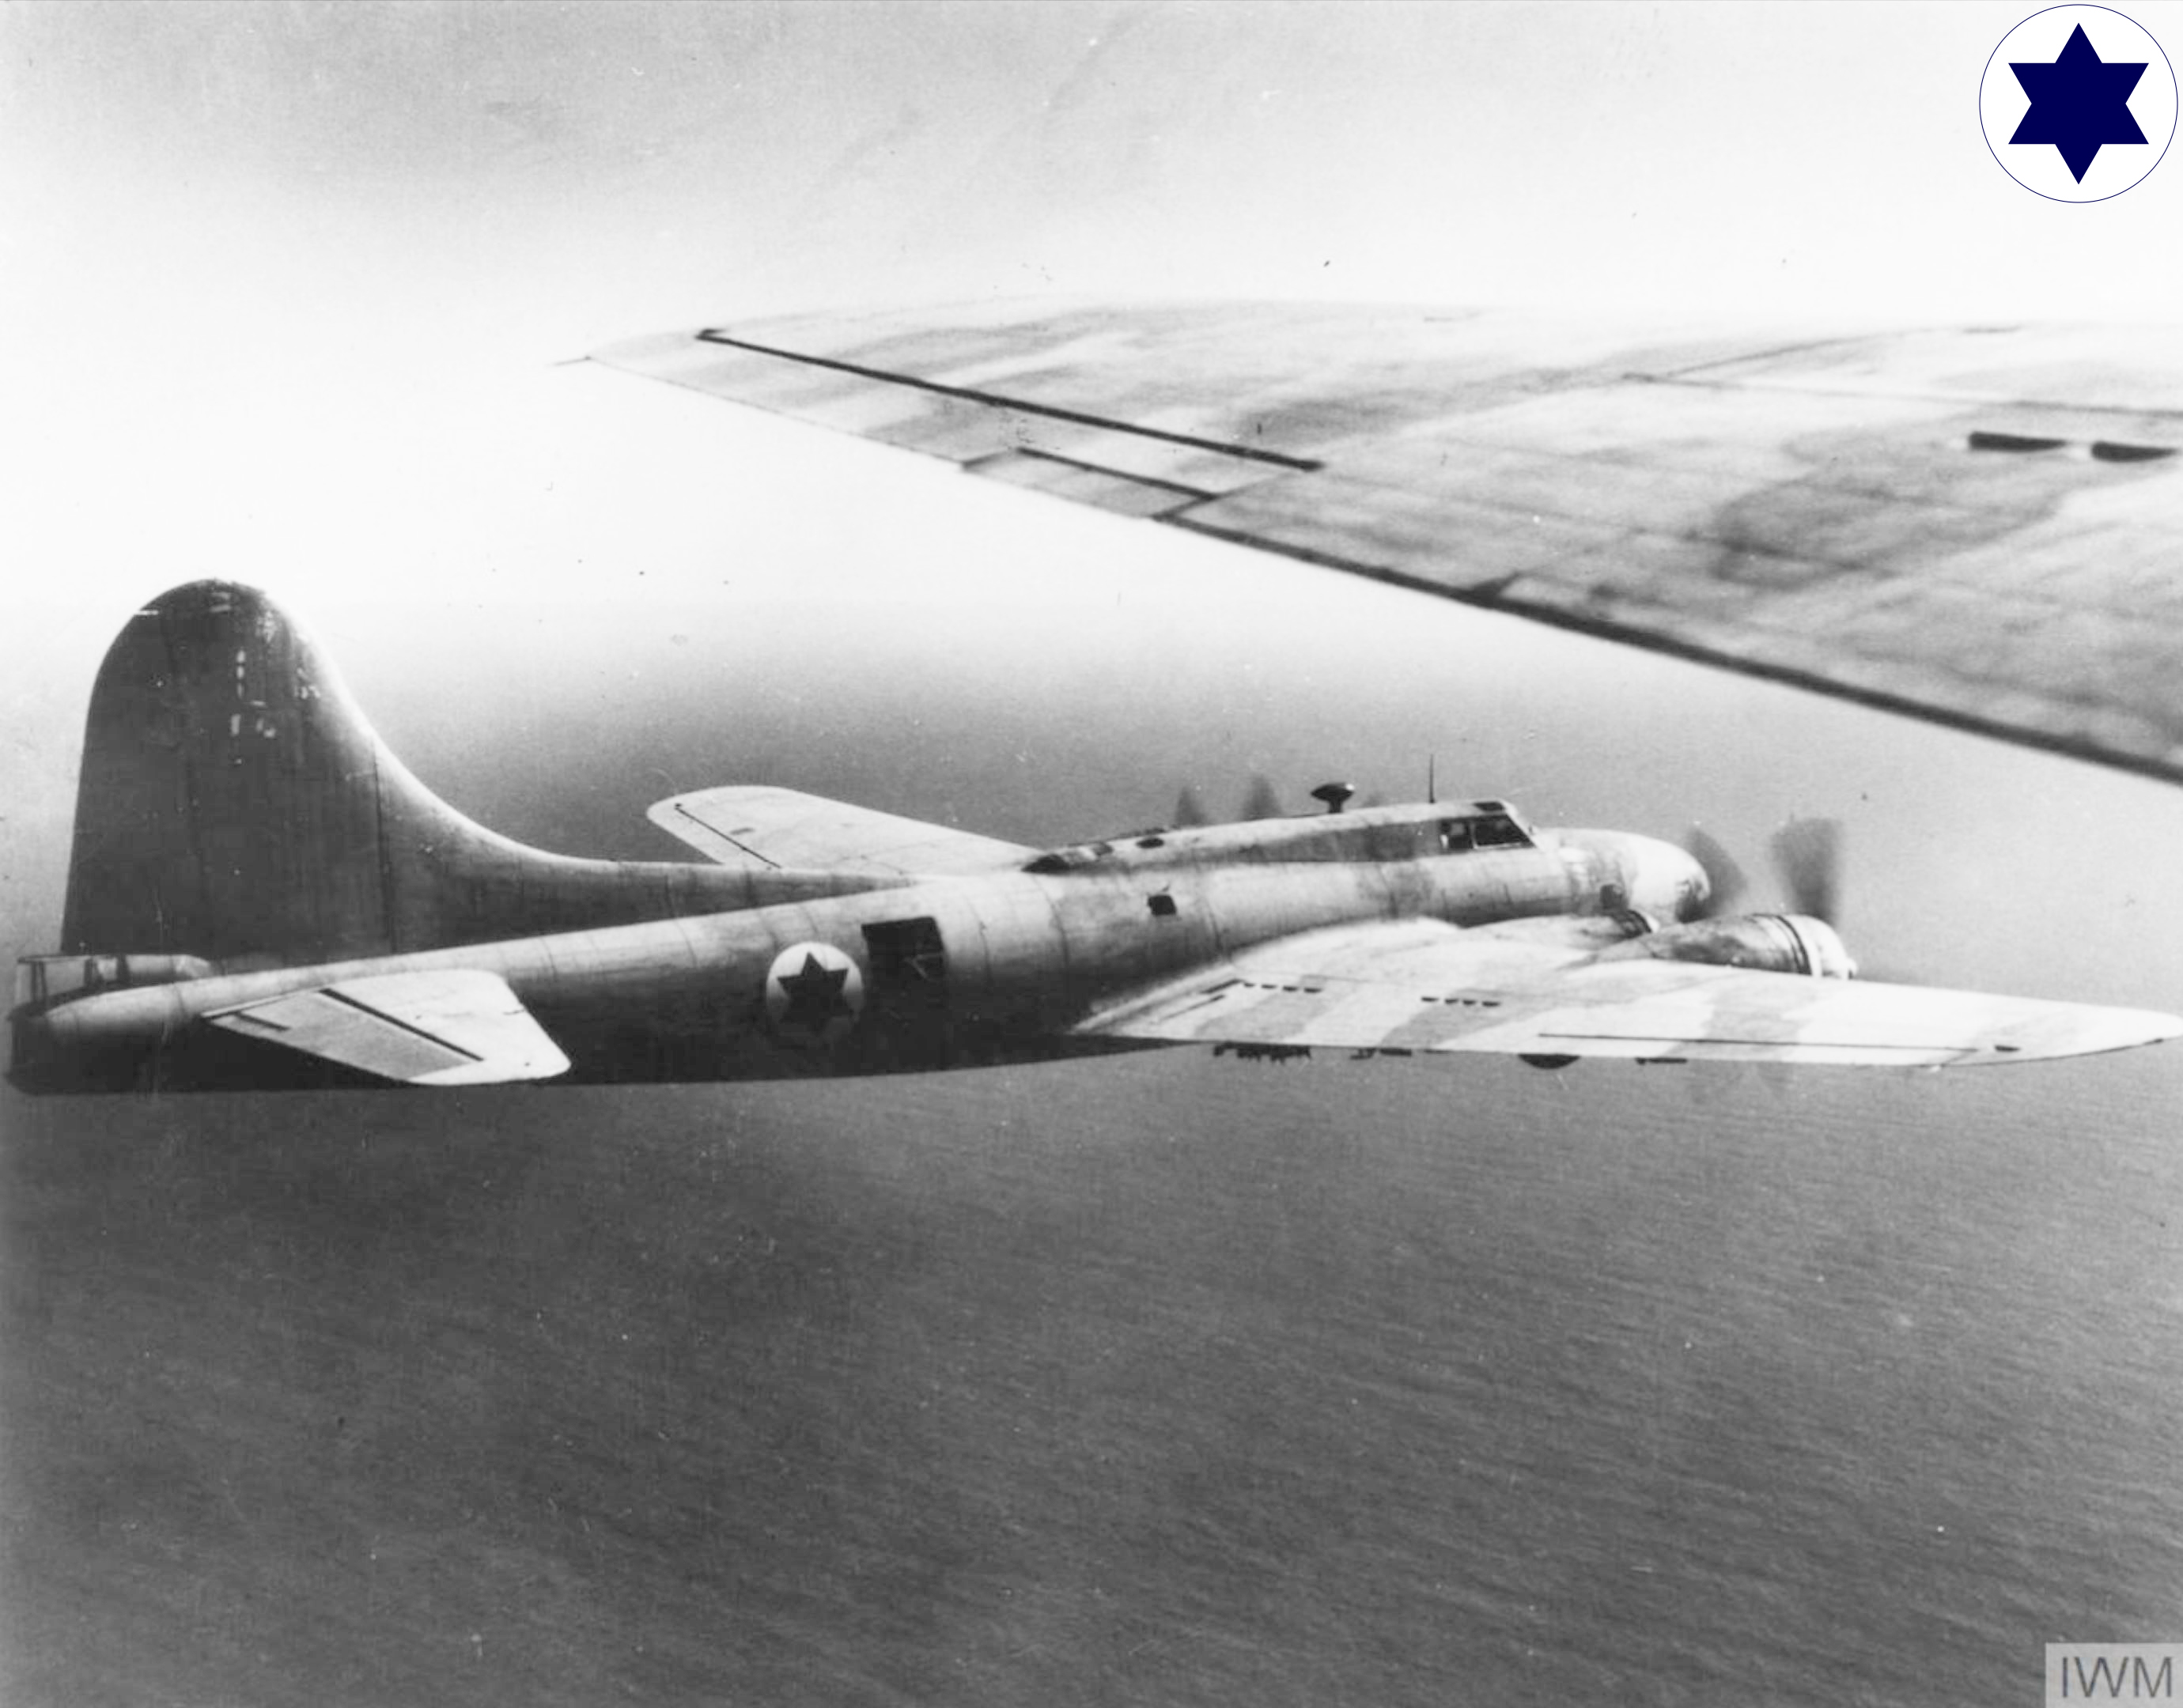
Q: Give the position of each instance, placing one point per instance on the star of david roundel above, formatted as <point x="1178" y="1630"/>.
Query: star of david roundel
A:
<point x="2078" y="102"/>
<point x="814" y="993"/>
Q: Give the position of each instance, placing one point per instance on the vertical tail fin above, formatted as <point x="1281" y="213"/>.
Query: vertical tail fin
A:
<point x="235" y="806"/>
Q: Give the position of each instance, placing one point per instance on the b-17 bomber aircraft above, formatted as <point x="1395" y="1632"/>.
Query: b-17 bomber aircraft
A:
<point x="260" y="895"/>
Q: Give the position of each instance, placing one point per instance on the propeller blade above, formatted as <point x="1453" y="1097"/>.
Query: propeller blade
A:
<point x="1724" y="877"/>
<point x="1189" y="810"/>
<point x="1808" y="855"/>
<point x="1262" y="803"/>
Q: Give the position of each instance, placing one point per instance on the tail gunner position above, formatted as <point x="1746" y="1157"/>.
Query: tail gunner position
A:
<point x="261" y="895"/>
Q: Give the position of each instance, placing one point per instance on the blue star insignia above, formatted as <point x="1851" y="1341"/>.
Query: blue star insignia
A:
<point x="2080" y="104"/>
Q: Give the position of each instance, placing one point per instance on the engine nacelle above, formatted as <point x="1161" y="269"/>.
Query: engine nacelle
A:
<point x="1766" y="942"/>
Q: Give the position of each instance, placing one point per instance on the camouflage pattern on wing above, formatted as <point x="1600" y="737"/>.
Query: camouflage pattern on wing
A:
<point x="1423" y="987"/>
<point x="1976" y="524"/>
<point x="751" y="825"/>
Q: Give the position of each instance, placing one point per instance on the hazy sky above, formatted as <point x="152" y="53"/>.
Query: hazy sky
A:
<point x="283" y="283"/>
<point x="285" y="288"/>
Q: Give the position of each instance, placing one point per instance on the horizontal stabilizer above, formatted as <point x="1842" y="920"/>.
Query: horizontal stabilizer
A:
<point x="454" y="1027"/>
<point x="754" y="825"/>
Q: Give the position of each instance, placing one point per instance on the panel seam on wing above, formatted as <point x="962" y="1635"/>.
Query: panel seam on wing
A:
<point x="1000" y="401"/>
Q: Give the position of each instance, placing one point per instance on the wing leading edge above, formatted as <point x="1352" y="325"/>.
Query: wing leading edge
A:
<point x="1423" y="987"/>
<point x="1977" y="526"/>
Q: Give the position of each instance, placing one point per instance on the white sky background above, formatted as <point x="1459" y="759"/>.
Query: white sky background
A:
<point x="283" y="287"/>
<point x="262" y="260"/>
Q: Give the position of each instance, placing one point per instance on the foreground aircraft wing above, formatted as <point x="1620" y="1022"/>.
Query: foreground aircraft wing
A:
<point x="757" y="826"/>
<point x="453" y="1028"/>
<point x="1976" y="524"/>
<point x="1424" y="987"/>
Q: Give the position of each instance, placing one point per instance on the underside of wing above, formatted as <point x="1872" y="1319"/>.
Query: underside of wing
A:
<point x="1421" y="987"/>
<point x="454" y="1027"/>
<point x="757" y="826"/>
<point x="1976" y="524"/>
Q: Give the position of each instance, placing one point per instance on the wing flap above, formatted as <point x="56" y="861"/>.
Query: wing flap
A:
<point x="756" y="825"/>
<point x="1419" y="987"/>
<point x="457" y="1027"/>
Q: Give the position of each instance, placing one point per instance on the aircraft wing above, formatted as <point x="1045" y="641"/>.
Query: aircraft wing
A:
<point x="746" y="825"/>
<point x="1424" y="987"/>
<point x="453" y="1027"/>
<point x="1976" y="524"/>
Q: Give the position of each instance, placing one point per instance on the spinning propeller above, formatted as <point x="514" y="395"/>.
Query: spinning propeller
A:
<point x="1724" y="880"/>
<point x="1807" y="856"/>
<point x="1263" y="802"/>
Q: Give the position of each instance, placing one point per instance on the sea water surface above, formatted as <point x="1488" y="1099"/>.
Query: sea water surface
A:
<point x="1157" y="1380"/>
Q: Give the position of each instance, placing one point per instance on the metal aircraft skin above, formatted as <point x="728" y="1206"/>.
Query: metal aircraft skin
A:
<point x="1976" y="524"/>
<point x="261" y="896"/>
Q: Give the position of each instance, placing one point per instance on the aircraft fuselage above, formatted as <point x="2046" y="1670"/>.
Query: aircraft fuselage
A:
<point x="942" y="972"/>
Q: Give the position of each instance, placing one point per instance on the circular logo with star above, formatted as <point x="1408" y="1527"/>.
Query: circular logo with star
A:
<point x="814" y="994"/>
<point x="2078" y="103"/>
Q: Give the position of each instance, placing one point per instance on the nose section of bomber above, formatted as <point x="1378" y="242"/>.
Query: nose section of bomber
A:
<point x="1656" y="878"/>
<point x="1667" y="881"/>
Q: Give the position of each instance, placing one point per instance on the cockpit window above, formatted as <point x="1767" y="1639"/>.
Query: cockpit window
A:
<point x="1486" y="830"/>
